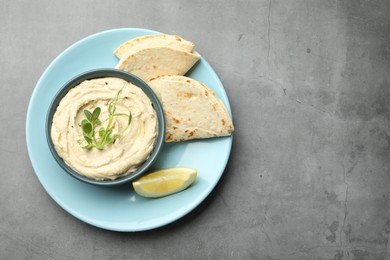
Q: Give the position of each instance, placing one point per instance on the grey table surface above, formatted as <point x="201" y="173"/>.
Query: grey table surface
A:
<point x="309" y="171"/>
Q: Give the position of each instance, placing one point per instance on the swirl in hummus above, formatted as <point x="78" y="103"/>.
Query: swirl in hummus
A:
<point x="128" y="152"/>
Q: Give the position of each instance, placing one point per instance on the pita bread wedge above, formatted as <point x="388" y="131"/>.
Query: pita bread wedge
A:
<point x="157" y="40"/>
<point x="192" y="110"/>
<point x="151" y="62"/>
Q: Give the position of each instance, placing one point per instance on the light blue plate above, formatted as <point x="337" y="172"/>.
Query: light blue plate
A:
<point x="119" y="208"/>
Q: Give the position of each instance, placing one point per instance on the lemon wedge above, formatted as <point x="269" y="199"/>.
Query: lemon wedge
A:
<point x="165" y="182"/>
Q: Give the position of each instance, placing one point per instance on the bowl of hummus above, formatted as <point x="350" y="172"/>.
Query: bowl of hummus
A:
<point x="105" y="127"/>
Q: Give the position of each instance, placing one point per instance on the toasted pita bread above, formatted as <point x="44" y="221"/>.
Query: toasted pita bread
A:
<point x="147" y="63"/>
<point x="192" y="110"/>
<point x="157" y="40"/>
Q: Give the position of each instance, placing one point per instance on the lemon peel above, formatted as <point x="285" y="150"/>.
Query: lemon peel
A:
<point x="165" y="182"/>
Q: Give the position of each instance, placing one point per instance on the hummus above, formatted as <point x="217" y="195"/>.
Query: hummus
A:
<point x="128" y="152"/>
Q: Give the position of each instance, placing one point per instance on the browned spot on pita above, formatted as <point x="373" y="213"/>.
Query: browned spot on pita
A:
<point x="155" y="77"/>
<point x="206" y="92"/>
<point x="189" y="119"/>
<point x="206" y="88"/>
<point x="176" y="120"/>
<point x="178" y="38"/>
<point x="185" y="94"/>
<point x="223" y="121"/>
<point x="188" y="81"/>
<point x="154" y="66"/>
<point x="192" y="133"/>
<point x="174" y="127"/>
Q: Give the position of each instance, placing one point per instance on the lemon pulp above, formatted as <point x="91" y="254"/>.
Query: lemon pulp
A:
<point x="165" y="182"/>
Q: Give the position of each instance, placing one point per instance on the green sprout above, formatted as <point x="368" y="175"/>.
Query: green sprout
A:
<point x="105" y="134"/>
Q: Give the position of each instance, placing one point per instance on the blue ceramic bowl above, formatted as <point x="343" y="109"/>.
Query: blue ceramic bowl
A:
<point x="100" y="73"/>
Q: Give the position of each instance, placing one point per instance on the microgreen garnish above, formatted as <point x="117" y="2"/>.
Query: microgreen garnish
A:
<point x="105" y="134"/>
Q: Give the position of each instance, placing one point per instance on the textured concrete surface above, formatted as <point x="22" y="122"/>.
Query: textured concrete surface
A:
<point x="309" y="173"/>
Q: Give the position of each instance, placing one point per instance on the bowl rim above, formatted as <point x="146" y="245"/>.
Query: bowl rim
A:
<point x="101" y="73"/>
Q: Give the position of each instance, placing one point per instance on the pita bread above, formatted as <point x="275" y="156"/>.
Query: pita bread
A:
<point x="157" y="40"/>
<point x="147" y="63"/>
<point x="192" y="110"/>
